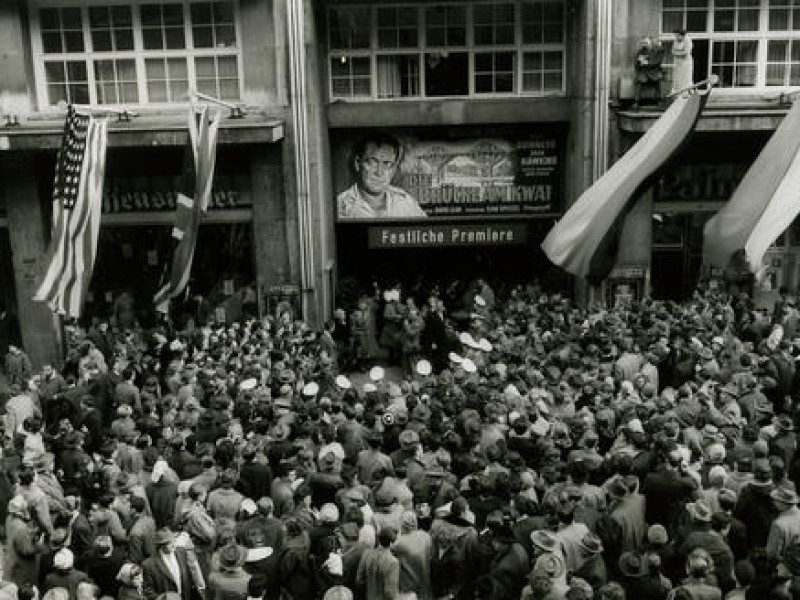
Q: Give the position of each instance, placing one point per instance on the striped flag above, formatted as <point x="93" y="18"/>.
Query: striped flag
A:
<point x="764" y="204"/>
<point x="584" y="242"/>
<point x="77" y="204"/>
<point x="192" y="202"/>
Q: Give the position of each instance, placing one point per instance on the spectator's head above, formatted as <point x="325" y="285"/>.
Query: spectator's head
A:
<point x="386" y="537"/>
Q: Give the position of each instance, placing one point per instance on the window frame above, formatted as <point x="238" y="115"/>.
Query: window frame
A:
<point x="469" y="47"/>
<point x="761" y="36"/>
<point x="139" y="54"/>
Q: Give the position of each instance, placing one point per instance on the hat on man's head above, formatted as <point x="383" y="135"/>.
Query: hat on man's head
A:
<point x="343" y="382"/>
<point x="591" y="543"/>
<point x="784" y="496"/>
<point x="551" y="565"/>
<point x="248" y="384"/>
<point x="329" y="513"/>
<point x="424" y="368"/>
<point x="544" y="540"/>
<point x="377" y="373"/>
<point x="338" y="592"/>
<point x="232" y="556"/>
<point x="700" y="510"/>
<point x="657" y="535"/>
<point x="64" y="559"/>
<point x="163" y="536"/>
<point x="311" y="389"/>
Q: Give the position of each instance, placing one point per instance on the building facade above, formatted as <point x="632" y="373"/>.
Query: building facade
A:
<point x="143" y="58"/>
<point x="497" y="115"/>
<point x="493" y="104"/>
<point x="753" y="46"/>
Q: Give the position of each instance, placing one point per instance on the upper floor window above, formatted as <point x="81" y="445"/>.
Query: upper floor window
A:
<point x="747" y="43"/>
<point x="137" y="52"/>
<point x="482" y="47"/>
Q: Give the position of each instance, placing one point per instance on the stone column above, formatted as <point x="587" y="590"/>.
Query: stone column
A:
<point x="28" y="236"/>
<point x="272" y="222"/>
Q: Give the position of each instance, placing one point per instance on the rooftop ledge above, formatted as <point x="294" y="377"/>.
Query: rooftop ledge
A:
<point x="720" y="116"/>
<point x="44" y="132"/>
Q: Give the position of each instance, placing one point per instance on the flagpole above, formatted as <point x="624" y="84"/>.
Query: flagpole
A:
<point x="706" y="83"/>
<point x="237" y="110"/>
<point x="123" y="114"/>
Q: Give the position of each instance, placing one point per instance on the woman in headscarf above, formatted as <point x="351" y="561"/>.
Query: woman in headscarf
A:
<point x="131" y="581"/>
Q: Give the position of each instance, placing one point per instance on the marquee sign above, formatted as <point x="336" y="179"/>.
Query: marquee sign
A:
<point x="434" y="235"/>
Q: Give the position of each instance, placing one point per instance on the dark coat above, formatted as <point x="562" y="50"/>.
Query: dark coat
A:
<point x="255" y="480"/>
<point x="667" y="493"/>
<point x="158" y="579"/>
<point x="756" y="511"/>
<point x="103" y="571"/>
<point x="162" y="496"/>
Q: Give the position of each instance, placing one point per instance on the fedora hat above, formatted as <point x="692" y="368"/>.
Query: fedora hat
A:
<point x="232" y="556"/>
<point x="784" y="496"/>
<point x="163" y="536"/>
<point x="550" y="565"/>
<point x="591" y="543"/>
<point x="544" y="540"/>
<point x="700" y="510"/>
<point x="633" y="564"/>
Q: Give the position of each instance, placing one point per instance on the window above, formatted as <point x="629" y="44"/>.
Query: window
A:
<point x="783" y="63"/>
<point x="747" y="43"/>
<point x="493" y="23"/>
<point x="502" y="47"/>
<point x="735" y="62"/>
<point x="784" y="15"/>
<point x="542" y="71"/>
<point x="494" y="72"/>
<point x="691" y="15"/>
<point x="736" y="15"/>
<point x="139" y="52"/>
<point x="351" y="77"/>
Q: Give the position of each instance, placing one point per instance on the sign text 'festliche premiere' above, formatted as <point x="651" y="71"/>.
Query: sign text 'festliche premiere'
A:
<point x="421" y="236"/>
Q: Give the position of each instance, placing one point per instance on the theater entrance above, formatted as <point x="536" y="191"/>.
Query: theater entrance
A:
<point x="388" y="254"/>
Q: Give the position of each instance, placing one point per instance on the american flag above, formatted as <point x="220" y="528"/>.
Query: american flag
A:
<point x="77" y="204"/>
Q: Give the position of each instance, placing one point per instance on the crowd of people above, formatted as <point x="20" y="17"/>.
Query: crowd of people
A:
<point x="533" y="449"/>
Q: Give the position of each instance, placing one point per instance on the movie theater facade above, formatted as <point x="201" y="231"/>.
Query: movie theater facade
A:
<point x="489" y="104"/>
<point x="492" y="102"/>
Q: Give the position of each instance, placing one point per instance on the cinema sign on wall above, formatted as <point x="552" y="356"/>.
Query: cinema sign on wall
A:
<point x="519" y="174"/>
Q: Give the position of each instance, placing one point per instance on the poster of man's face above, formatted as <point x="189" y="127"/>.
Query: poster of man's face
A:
<point x="376" y="168"/>
<point x="371" y="195"/>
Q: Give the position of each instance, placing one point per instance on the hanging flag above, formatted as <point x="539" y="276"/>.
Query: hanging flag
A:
<point x="584" y="241"/>
<point x="193" y="202"/>
<point x="77" y="204"/>
<point x="764" y="204"/>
